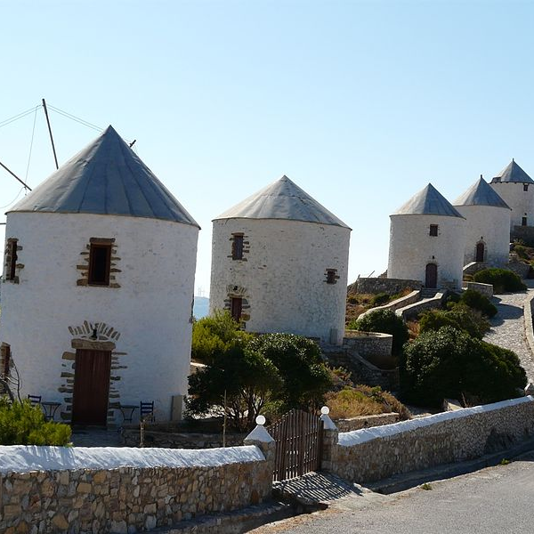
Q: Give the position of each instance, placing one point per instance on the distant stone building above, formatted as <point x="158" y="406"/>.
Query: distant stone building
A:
<point x="279" y="264"/>
<point x="97" y="287"/>
<point x="488" y="224"/>
<point x="516" y="188"/>
<point x="427" y="241"/>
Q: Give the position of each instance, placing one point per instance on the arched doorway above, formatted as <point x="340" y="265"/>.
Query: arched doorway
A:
<point x="479" y="256"/>
<point x="431" y="275"/>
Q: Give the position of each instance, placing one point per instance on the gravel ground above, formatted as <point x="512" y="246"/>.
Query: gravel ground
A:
<point x="508" y="327"/>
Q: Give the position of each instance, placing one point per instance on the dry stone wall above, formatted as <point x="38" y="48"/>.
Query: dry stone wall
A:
<point x="391" y="286"/>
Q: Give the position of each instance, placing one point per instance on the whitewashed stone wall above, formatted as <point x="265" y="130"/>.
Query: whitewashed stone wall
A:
<point x="521" y="202"/>
<point x="489" y="225"/>
<point x="282" y="278"/>
<point x="411" y="248"/>
<point x="128" y="499"/>
<point x="376" y="453"/>
<point x="144" y="319"/>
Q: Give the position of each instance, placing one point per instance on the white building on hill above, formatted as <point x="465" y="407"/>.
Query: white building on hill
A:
<point x="488" y="224"/>
<point x="98" y="286"/>
<point x="427" y="241"/>
<point x="516" y="188"/>
<point x="279" y="264"/>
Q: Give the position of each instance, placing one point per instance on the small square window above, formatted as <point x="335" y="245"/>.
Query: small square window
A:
<point x="433" y="230"/>
<point x="525" y="187"/>
<point x="331" y="276"/>
<point x="237" y="247"/>
<point x="99" y="264"/>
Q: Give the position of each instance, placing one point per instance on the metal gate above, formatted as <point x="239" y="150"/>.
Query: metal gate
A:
<point x="299" y="443"/>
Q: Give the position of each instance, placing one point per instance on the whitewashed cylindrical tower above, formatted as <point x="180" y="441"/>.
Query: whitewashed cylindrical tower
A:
<point x="279" y="264"/>
<point x="488" y="225"/>
<point x="98" y="286"/>
<point x="427" y="239"/>
<point x="516" y="188"/>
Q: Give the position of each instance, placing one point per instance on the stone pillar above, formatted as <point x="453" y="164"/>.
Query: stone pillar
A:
<point x="330" y="438"/>
<point x="264" y="441"/>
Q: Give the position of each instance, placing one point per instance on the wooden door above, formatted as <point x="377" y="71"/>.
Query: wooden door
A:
<point x="91" y="387"/>
<point x="431" y="275"/>
<point x="480" y="252"/>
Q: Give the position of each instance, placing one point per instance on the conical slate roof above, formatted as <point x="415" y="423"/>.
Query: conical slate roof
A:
<point x="513" y="173"/>
<point x="481" y="194"/>
<point x="106" y="178"/>
<point x="282" y="199"/>
<point x="429" y="201"/>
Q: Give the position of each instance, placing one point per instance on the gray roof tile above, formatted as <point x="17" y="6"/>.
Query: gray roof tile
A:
<point x="282" y="199"/>
<point x="429" y="201"/>
<point x="513" y="173"/>
<point x="481" y="194"/>
<point x="106" y="178"/>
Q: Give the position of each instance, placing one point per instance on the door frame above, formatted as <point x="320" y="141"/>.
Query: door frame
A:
<point x="434" y="266"/>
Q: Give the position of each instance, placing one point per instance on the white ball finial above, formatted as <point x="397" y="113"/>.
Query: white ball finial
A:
<point x="325" y="410"/>
<point x="260" y="420"/>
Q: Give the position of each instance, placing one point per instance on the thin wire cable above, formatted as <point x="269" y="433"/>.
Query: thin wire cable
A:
<point x="31" y="147"/>
<point x="17" y="117"/>
<point x="15" y="199"/>
<point x="74" y="118"/>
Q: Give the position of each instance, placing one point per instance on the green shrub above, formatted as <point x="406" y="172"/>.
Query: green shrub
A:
<point x="460" y="316"/>
<point x="479" y="302"/>
<point x="451" y="364"/>
<point x="24" y="424"/>
<point x="385" y="322"/>
<point x="501" y="279"/>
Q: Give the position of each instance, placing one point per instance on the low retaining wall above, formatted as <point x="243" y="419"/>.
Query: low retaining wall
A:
<point x="366" y="421"/>
<point x="57" y="489"/>
<point x="368" y="343"/>
<point x="484" y="289"/>
<point x="413" y="310"/>
<point x="397" y="304"/>
<point x="391" y="286"/>
<point x="373" y="454"/>
<point x="130" y="437"/>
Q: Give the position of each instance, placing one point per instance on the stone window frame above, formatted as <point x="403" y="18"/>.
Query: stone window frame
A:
<point x="84" y="266"/>
<point x="331" y="276"/>
<point x="237" y="246"/>
<point x="95" y="258"/>
<point x="433" y="230"/>
<point x="5" y="360"/>
<point x="11" y="261"/>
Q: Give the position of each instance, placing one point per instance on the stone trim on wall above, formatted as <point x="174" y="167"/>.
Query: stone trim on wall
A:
<point x="246" y="246"/>
<point x="4" y="352"/>
<point x="91" y="336"/>
<point x="7" y="261"/>
<point x="234" y="291"/>
<point x="83" y="268"/>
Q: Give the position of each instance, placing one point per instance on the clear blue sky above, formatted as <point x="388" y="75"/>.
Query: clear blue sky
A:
<point x="360" y="103"/>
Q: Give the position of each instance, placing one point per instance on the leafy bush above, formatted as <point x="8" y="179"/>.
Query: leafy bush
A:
<point x="305" y="378"/>
<point x="215" y="335"/>
<point x="501" y="279"/>
<point x="479" y="302"/>
<point x="450" y="363"/>
<point x="363" y="400"/>
<point x="460" y="316"/>
<point x="24" y="424"/>
<point x="386" y="322"/>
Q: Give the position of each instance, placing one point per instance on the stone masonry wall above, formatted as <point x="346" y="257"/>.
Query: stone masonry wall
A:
<point x="368" y="343"/>
<point x="178" y="440"/>
<point x="373" y="454"/>
<point x="126" y="499"/>
<point x="391" y="286"/>
<point x="366" y="421"/>
<point x="484" y="289"/>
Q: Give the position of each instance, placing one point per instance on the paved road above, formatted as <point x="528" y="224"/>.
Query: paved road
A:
<point x="508" y="328"/>
<point x="496" y="500"/>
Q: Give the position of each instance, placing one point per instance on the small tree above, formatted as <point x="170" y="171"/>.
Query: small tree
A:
<point x="305" y="378"/>
<point x="459" y="316"/>
<point x="479" y="302"/>
<point x="501" y="279"/>
<point x="385" y="322"/>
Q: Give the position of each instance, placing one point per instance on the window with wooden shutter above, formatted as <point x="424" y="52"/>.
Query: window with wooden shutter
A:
<point x="236" y="308"/>
<point x="433" y="230"/>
